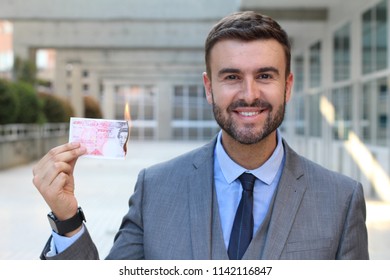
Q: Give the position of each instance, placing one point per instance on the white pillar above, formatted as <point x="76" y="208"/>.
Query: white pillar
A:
<point x="108" y="98"/>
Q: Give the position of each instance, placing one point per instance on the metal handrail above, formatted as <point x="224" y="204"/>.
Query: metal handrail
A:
<point x="16" y="132"/>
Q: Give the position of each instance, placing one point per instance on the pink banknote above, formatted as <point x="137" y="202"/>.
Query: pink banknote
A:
<point x="102" y="138"/>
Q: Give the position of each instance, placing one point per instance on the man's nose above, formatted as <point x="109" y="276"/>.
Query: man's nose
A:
<point x="251" y="91"/>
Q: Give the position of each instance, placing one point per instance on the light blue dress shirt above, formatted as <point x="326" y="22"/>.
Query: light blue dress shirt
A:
<point x="229" y="189"/>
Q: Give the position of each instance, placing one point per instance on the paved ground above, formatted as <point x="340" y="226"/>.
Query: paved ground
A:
<point x="103" y="189"/>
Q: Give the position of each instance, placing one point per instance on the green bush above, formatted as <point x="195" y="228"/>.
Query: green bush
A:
<point x="25" y="70"/>
<point x="56" y="109"/>
<point x="69" y="110"/>
<point x="30" y="105"/>
<point x="9" y="103"/>
<point x="92" y="108"/>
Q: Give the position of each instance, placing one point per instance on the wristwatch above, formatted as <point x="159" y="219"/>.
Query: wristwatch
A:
<point x="63" y="227"/>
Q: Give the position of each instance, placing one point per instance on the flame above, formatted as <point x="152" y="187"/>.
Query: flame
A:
<point x="127" y="112"/>
<point x="128" y="119"/>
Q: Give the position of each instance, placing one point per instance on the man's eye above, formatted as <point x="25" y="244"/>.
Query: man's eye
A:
<point x="265" y="76"/>
<point x="231" y="77"/>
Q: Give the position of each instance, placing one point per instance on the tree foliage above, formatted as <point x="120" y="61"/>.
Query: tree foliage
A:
<point x="55" y="108"/>
<point x="25" y="71"/>
<point x="9" y="103"/>
<point x="30" y="106"/>
<point x="20" y="102"/>
<point x="92" y="108"/>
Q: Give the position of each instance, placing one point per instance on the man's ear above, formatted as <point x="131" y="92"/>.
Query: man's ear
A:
<point x="207" y="87"/>
<point x="289" y="85"/>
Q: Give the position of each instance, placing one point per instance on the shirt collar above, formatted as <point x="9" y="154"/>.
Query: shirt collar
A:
<point x="266" y="173"/>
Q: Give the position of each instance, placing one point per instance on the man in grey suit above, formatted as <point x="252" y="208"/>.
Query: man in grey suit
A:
<point x="245" y="195"/>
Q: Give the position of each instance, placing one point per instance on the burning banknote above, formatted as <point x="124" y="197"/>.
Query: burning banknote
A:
<point x="102" y="138"/>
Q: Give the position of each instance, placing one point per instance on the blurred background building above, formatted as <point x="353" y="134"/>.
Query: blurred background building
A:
<point x="150" y="53"/>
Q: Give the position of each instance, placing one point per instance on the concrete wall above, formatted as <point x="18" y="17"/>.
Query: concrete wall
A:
<point x="112" y="24"/>
<point x="21" y="144"/>
<point x="115" y="9"/>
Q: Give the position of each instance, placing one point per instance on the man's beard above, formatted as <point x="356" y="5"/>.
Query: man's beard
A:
<point x="246" y="134"/>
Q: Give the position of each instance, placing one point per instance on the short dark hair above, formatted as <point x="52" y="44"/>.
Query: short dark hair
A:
<point x="247" y="26"/>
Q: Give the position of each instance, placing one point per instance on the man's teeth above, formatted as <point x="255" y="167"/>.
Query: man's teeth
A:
<point x="249" y="114"/>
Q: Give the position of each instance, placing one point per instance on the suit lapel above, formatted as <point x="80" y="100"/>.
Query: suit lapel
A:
<point x="200" y="195"/>
<point x="288" y="198"/>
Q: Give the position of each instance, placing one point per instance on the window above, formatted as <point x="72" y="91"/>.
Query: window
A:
<point x="85" y="88"/>
<point x="69" y="69"/>
<point x="366" y="111"/>
<point x="315" y="65"/>
<point x="299" y="108"/>
<point x="374" y="112"/>
<point x="374" y="38"/>
<point x="315" y="118"/>
<point x="6" y="47"/>
<point x="68" y="90"/>
<point x="383" y="111"/>
<point x="6" y="60"/>
<point x="342" y="102"/>
<point x="341" y="54"/>
<point x="143" y="110"/>
<point x="299" y="98"/>
<point x="192" y="115"/>
<point x="298" y="74"/>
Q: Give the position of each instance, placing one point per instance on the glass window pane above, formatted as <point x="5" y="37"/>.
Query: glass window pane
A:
<point x="381" y="36"/>
<point x="342" y="102"/>
<point x="315" y="119"/>
<point x="365" y="117"/>
<point x="382" y="112"/>
<point x="315" y="65"/>
<point x="298" y="74"/>
<point x="192" y="109"/>
<point x="178" y="91"/>
<point x="299" y="115"/>
<point x="341" y="50"/>
<point x="367" y="42"/>
<point x="374" y="38"/>
<point x="142" y="105"/>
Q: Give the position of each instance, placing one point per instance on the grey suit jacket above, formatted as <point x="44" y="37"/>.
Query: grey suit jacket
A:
<point x="317" y="214"/>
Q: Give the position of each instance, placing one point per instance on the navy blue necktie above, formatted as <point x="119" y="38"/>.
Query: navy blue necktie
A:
<point x="242" y="230"/>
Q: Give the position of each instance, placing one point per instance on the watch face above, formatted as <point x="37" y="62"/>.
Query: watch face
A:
<point x="52" y="221"/>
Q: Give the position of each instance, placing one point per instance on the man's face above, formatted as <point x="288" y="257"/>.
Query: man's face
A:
<point x="122" y="137"/>
<point x="248" y="88"/>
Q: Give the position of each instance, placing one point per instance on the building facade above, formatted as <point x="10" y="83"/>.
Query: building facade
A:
<point x="339" y="113"/>
<point x="150" y="54"/>
<point x="6" y="49"/>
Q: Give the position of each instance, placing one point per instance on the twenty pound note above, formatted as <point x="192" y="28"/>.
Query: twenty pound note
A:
<point x="102" y="138"/>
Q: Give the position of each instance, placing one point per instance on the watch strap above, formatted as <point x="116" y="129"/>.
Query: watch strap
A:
<point x="66" y="226"/>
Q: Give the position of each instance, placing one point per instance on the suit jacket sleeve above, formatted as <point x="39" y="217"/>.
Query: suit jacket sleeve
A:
<point x="82" y="249"/>
<point x="353" y="243"/>
<point x="128" y="243"/>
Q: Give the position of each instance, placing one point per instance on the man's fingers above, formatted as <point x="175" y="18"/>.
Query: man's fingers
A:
<point x="65" y="153"/>
<point x="58" y="160"/>
<point x="57" y="186"/>
<point x="53" y="178"/>
<point x="44" y="179"/>
<point x="60" y="196"/>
